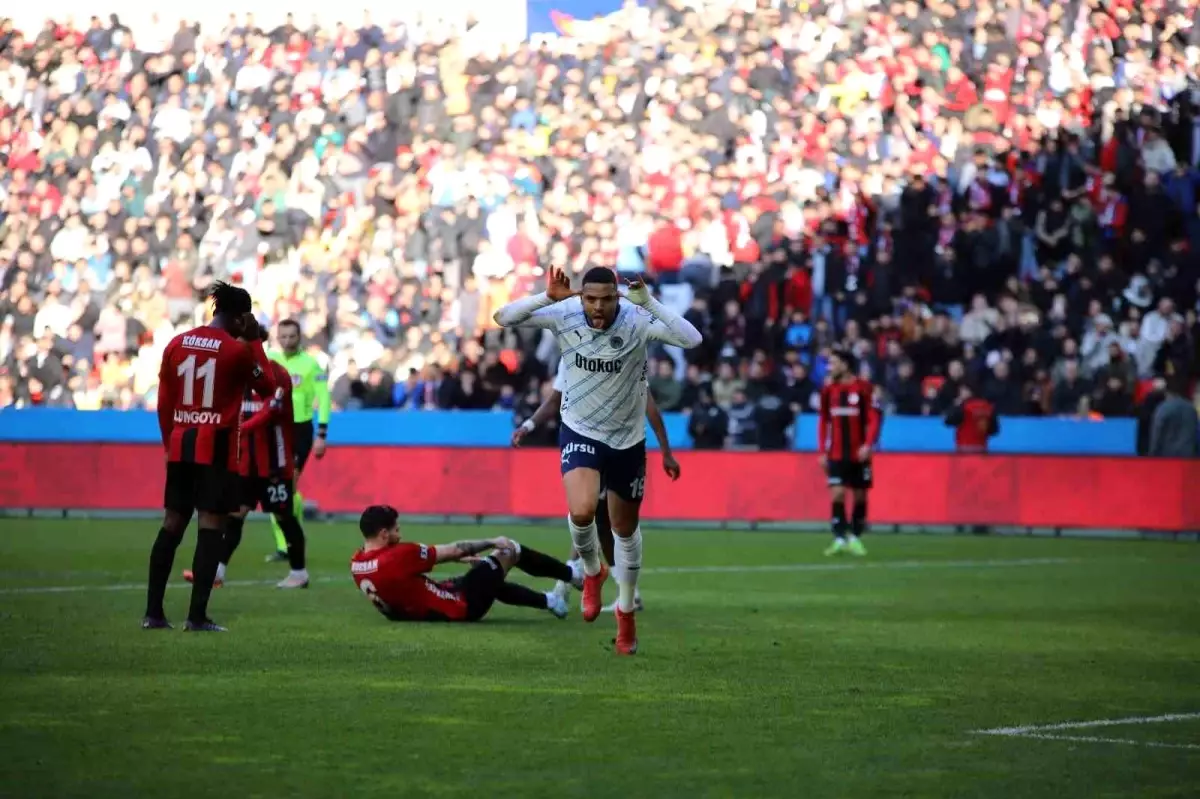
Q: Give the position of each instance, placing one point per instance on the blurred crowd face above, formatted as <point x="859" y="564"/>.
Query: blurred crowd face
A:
<point x="232" y="172"/>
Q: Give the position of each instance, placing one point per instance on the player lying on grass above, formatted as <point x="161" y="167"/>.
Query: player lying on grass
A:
<point x="552" y="409"/>
<point x="392" y="573"/>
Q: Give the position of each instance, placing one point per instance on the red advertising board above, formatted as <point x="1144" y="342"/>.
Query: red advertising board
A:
<point x="1033" y="491"/>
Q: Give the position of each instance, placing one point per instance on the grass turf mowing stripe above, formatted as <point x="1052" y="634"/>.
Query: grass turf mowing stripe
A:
<point x="781" y="567"/>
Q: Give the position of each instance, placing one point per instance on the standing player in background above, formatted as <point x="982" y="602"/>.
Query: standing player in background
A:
<point x="974" y="421"/>
<point x="204" y="375"/>
<point x="551" y="409"/>
<point x="310" y="387"/>
<point x="266" y="477"/>
<point x="603" y="339"/>
<point x="847" y="432"/>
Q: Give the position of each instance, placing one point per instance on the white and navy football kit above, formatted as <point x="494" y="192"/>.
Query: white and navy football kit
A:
<point x="560" y="385"/>
<point x="603" y="382"/>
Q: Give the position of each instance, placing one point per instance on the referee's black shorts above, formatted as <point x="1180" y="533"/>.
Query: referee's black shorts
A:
<point x="302" y="443"/>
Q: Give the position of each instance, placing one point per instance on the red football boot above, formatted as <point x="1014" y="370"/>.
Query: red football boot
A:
<point x="626" y="633"/>
<point x="593" y="588"/>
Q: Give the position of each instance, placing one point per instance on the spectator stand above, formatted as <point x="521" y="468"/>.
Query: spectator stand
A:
<point x="1005" y="198"/>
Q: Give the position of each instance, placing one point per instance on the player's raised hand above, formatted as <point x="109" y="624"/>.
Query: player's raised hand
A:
<point x="251" y="330"/>
<point x="558" y="285"/>
<point x="637" y="292"/>
<point x="671" y="466"/>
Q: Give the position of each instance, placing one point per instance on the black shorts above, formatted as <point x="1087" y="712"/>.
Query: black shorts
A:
<point x="479" y="587"/>
<point x="302" y="442"/>
<point x="272" y="494"/>
<point x="622" y="471"/>
<point x="199" y="487"/>
<point x="849" y="474"/>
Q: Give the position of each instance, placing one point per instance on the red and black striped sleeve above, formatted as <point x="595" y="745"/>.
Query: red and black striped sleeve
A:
<point x="823" y="421"/>
<point x="874" y="413"/>
<point x="166" y="395"/>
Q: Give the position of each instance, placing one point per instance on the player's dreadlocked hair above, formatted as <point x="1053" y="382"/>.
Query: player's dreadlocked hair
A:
<point x="229" y="300"/>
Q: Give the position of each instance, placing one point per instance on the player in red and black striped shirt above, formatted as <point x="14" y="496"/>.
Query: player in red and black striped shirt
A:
<point x="266" y="476"/>
<point x="847" y="432"/>
<point x="203" y="376"/>
<point x="392" y="574"/>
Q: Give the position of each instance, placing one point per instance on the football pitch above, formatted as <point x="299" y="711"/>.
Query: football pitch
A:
<point x="936" y="667"/>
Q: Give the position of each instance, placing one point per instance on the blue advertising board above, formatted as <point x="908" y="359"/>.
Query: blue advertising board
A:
<point x="493" y="429"/>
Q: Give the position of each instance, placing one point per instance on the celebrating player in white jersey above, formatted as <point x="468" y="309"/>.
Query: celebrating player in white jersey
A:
<point x="552" y="409"/>
<point x="603" y="339"/>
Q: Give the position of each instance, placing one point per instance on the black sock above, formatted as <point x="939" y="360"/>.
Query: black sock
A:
<point x="839" y="518"/>
<point x="513" y="594"/>
<point x="293" y="533"/>
<point x="162" y="558"/>
<point x="232" y="537"/>
<point x="538" y="564"/>
<point x="858" y="518"/>
<point x="209" y="546"/>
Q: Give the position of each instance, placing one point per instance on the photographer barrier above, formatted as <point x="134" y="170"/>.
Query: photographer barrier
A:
<point x="913" y="489"/>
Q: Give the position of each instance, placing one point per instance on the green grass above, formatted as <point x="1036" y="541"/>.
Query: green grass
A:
<point x="863" y="681"/>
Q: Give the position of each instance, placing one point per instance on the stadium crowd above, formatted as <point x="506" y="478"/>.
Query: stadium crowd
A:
<point x="994" y="194"/>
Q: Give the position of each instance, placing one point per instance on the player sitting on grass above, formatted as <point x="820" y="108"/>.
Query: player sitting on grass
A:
<point x="391" y="572"/>
<point x="551" y="409"/>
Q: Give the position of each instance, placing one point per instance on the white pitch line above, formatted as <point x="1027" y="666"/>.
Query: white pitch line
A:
<point x="782" y="567"/>
<point x="1089" y="740"/>
<point x="1043" y="732"/>
<point x="1085" y="725"/>
<point x="837" y="567"/>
